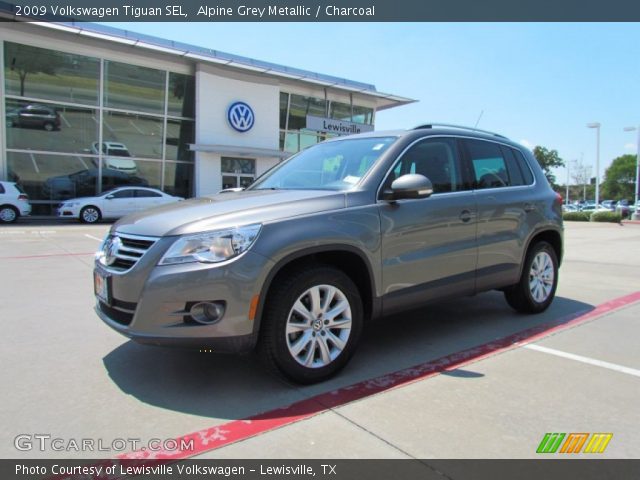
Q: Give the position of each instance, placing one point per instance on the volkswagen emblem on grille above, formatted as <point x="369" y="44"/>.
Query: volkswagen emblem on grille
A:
<point x="240" y="116"/>
<point x="110" y="250"/>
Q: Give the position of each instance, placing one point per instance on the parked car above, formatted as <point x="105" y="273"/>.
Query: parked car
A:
<point x="116" y="156"/>
<point x="114" y="203"/>
<point x="609" y="204"/>
<point x="593" y="208"/>
<point x="14" y="202"/>
<point x="35" y="116"/>
<point x="625" y="208"/>
<point x="83" y="183"/>
<point x="569" y="208"/>
<point x="344" y="231"/>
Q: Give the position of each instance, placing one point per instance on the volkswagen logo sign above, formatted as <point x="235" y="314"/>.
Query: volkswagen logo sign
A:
<point x="240" y="117"/>
<point x="110" y="250"/>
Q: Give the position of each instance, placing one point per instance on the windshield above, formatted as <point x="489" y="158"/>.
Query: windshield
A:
<point x="337" y="165"/>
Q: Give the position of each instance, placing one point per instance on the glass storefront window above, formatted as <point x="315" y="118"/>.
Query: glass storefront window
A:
<point x="178" y="179"/>
<point x="130" y="87"/>
<point x="301" y="107"/>
<point x="238" y="165"/>
<point x="182" y="95"/>
<point x="362" y="115"/>
<point x="147" y="173"/>
<point x="50" y="75"/>
<point x="284" y="104"/>
<point x="180" y="133"/>
<point x="50" y="127"/>
<point x="340" y="111"/>
<point x="141" y="135"/>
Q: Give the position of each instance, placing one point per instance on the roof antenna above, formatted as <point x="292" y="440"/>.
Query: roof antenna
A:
<point x="478" y="121"/>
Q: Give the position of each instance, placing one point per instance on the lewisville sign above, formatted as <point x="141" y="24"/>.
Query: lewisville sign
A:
<point x="339" y="127"/>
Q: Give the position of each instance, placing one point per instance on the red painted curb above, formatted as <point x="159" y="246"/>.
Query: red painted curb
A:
<point x="221" y="435"/>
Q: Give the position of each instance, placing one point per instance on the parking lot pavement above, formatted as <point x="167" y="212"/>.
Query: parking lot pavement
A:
<point x="489" y="382"/>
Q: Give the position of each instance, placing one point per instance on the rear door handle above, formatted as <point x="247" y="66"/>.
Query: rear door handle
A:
<point x="529" y="207"/>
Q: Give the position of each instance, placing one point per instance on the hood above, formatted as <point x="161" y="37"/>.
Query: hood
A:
<point x="229" y="209"/>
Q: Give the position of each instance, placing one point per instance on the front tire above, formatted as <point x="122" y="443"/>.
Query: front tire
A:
<point x="312" y="324"/>
<point x="537" y="286"/>
<point x="8" y="214"/>
<point x="90" y="214"/>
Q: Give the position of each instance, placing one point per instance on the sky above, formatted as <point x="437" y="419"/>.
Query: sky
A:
<point x="536" y="83"/>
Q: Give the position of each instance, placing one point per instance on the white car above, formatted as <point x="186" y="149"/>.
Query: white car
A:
<point x="14" y="203"/>
<point x="116" y="156"/>
<point x="114" y="203"/>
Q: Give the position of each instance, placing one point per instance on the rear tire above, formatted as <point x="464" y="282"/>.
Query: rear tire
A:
<point x="537" y="286"/>
<point x="9" y="214"/>
<point x="90" y="214"/>
<point x="49" y="127"/>
<point x="312" y="324"/>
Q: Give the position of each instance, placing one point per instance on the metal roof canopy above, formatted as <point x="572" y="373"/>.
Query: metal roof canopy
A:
<point x="239" y="151"/>
<point x="207" y="55"/>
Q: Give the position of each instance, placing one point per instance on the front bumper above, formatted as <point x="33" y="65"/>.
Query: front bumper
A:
<point x="150" y="303"/>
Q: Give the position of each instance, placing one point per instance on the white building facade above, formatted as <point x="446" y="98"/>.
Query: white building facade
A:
<point x="85" y="108"/>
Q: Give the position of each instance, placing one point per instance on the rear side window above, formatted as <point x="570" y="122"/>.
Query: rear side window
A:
<point x="123" y="194"/>
<point x="527" y="175"/>
<point x="146" y="193"/>
<point x="1" y="188"/>
<point x="489" y="164"/>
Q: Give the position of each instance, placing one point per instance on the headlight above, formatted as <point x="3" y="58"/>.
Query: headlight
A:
<point x="211" y="247"/>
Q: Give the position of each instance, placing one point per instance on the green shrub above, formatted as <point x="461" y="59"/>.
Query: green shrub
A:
<point x="612" y="217"/>
<point x="576" y="216"/>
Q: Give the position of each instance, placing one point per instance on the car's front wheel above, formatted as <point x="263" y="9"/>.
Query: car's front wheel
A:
<point x="312" y="323"/>
<point x="8" y="214"/>
<point x="537" y="286"/>
<point x="90" y="214"/>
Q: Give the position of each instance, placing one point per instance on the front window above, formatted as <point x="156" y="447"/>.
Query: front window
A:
<point x="337" y="165"/>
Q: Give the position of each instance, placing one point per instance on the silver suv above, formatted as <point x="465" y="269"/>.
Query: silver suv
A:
<point x="345" y="231"/>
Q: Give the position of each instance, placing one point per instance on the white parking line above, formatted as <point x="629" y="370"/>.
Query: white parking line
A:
<point x="92" y="237"/>
<point x="65" y="120"/>
<point x="587" y="360"/>
<point x="35" y="164"/>
<point x="136" y="127"/>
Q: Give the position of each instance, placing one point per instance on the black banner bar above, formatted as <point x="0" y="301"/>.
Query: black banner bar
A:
<point x="547" y="469"/>
<point x="320" y="11"/>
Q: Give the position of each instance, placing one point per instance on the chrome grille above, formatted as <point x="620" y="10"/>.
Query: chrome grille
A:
<point x="121" y="252"/>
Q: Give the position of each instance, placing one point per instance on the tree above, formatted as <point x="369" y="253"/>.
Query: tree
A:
<point x="548" y="159"/>
<point x="620" y="178"/>
<point x="24" y="60"/>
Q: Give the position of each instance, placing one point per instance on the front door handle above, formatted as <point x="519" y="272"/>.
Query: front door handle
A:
<point x="465" y="216"/>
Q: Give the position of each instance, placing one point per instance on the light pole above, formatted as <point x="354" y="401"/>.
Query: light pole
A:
<point x="596" y="125"/>
<point x="636" y="214"/>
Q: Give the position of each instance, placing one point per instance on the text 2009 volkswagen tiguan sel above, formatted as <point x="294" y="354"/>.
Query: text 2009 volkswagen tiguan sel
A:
<point x="347" y="230"/>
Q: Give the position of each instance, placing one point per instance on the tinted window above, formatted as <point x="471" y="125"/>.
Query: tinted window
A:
<point x="147" y="193"/>
<point x="515" y="174"/>
<point x="524" y="167"/>
<point x="123" y="194"/>
<point x="489" y="166"/>
<point x="436" y="159"/>
<point x="1" y="188"/>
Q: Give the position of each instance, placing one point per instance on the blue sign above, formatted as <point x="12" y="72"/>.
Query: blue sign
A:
<point x="240" y="117"/>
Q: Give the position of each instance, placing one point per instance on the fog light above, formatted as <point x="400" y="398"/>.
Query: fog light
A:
<point x="207" y="313"/>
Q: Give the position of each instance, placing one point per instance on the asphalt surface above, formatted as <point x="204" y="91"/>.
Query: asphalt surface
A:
<point x="460" y="379"/>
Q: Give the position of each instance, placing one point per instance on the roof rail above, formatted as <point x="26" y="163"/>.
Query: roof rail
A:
<point x="460" y="127"/>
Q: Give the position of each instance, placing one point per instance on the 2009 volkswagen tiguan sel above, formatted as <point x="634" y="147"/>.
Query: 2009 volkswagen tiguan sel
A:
<point x="344" y="231"/>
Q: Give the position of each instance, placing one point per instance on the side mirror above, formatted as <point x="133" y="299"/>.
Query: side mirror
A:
<point x="412" y="185"/>
<point x="110" y="197"/>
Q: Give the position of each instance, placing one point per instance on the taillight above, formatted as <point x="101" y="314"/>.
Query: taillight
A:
<point x="23" y="196"/>
<point x="559" y="199"/>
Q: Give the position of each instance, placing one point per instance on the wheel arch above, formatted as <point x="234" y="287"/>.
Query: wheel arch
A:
<point x="552" y="237"/>
<point x="344" y="257"/>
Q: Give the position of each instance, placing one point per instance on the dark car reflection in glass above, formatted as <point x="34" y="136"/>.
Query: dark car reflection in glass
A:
<point x="34" y="116"/>
<point x="83" y="183"/>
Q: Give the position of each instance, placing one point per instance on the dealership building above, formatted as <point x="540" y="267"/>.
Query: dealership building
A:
<point x="86" y="107"/>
